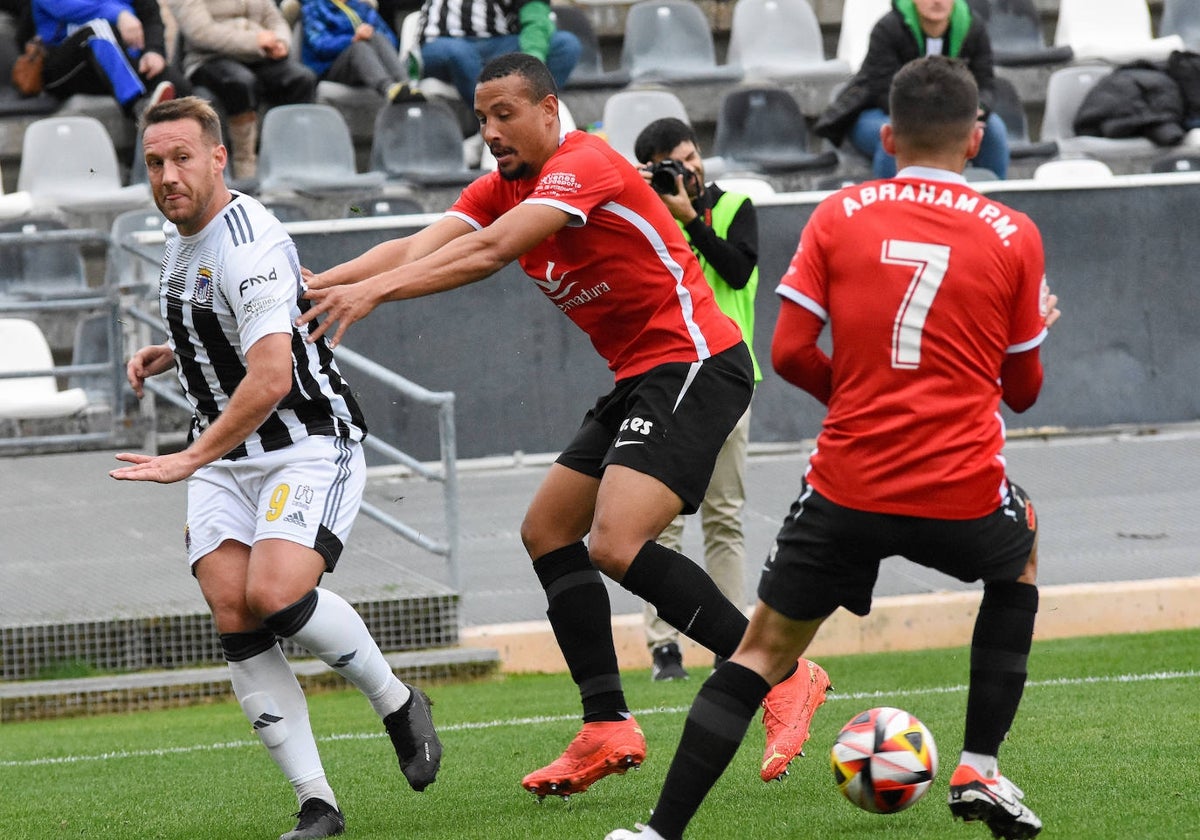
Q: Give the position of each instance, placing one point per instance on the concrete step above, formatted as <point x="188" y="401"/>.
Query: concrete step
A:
<point x="145" y="690"/>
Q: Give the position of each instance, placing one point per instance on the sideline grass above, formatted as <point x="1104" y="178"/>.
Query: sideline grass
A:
<point x="1106" y="746"/>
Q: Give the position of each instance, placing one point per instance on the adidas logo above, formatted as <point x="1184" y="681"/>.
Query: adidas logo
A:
<point x="296" y="518"/>
<point x="266" y="719"/>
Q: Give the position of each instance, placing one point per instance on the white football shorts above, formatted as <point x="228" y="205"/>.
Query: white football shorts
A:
<point x="307" y="493"/>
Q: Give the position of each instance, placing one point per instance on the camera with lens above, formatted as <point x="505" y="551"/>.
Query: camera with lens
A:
<point x="663" y="174"/>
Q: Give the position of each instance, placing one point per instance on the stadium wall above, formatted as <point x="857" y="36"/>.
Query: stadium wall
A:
<point x="1120" y="255"/>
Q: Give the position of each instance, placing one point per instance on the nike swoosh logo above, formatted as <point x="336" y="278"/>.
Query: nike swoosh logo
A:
<point x="628" y="442"/>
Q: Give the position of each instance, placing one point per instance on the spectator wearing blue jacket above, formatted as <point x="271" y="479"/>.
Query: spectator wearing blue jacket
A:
<point x="347" y="41"/>
<point x="108" y="47"/>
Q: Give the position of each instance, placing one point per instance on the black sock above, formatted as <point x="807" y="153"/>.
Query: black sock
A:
<point x="686" y="598"/>
<point x="581" y="618"/>
<point x="999" y="653"/>
<point x="715" y="727"/>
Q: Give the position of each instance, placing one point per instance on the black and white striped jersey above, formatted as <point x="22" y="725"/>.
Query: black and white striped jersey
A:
<point x="223" y="289"/>
<point x="469" y="18"/>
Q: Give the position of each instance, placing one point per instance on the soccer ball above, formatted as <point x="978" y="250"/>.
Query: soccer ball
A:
<point x="884" y="760"/>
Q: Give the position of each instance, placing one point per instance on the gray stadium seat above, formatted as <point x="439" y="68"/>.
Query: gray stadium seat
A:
<point x="41" y="270"/>
<point x="761" y="128"/>
<point x="627" y="112"/>
<point x="69" y="163"/>
<point x="1015" y="30"/>
<point x="780" y="39"/>
<point x="1182" y="18"/>
<point x="307" y="149"/>
<point x="589" y="72"/>
<point x="671" y="41"/>
<point x="420" y="143"/>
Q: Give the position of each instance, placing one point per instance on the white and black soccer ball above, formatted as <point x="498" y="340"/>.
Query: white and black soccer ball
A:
<point x="884" y="760"/>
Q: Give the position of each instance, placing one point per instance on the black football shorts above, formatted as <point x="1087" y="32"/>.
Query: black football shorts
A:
<point x="827" y="556"/>
<point x="669" y="422"/>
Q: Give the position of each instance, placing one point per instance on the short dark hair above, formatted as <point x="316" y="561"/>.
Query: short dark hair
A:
<point x="185" y="108"/>
<point x="661" y="137"/>
<point x="934" y="101"/>
<point x="538" y="81"/>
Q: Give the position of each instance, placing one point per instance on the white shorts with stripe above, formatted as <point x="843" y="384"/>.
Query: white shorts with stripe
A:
<point x="307" y="493"/>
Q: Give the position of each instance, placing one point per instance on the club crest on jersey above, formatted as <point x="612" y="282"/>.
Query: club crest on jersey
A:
<point x="203" y="292"/>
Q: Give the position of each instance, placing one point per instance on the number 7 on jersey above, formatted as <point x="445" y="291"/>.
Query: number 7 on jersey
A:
<point x="929" y="263"/>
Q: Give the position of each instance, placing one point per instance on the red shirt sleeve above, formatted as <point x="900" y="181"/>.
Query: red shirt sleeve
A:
<point x="795" y="354"/>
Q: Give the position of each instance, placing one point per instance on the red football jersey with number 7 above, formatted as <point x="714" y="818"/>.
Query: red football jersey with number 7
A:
<point x="926" y="286"/>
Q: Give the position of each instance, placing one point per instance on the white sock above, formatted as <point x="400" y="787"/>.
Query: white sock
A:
<point x="985" y="765"/>
<point x="337" y="635"/>
<point x="274" y="703"/>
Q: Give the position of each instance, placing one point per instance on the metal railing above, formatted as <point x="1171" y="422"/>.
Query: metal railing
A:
<point x="443" y="401"/>
<point x="130" y="321"/>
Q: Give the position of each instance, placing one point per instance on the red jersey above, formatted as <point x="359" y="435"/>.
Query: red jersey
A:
<point x="621" y="268"/>
<point x="926" y="285"/>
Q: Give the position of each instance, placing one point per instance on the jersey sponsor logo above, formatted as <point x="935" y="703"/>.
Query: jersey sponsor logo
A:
<point x="250" y="282"/>
<point x="258" y="306"/>
<point x="552" y="286"/>
<point x="583" y="297"/>
<point x="635" y="426"/>
<point x="558" y="183"/>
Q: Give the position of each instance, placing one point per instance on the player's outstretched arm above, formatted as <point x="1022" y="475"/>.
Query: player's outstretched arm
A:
<point x="388" y="255"/>
<point x="268" y="380"/>
<point x="467" y="257"/>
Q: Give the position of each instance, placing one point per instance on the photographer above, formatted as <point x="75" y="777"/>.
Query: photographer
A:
<point x="722" y="229"/>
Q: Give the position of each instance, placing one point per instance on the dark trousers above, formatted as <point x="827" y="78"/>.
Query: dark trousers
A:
<point x="71" y="68"/>
<point x="242" y="87"/>
<point x="374" y="64"/>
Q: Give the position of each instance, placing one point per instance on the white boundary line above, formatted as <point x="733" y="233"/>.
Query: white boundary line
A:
<point x="1059" y="682"/>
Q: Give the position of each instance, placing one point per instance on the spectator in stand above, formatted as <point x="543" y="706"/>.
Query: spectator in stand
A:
<point x="99" y="47"/>
<point x="911" y="29"/>
<point x="239" y="49"/>
<point x="347" y="41"/>
<point x="459" y="37"/>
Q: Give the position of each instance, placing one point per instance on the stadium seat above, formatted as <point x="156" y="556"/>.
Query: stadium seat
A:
<point x="1015" y="30"/>
<point x="287" y="211"/>
<point x="69" y="163"/>
<point x="307" y="149"/>
<point x="627" y="112"/>
<point x="420" y="143"/>
<point x="389" y="207"/>
<point x="124" y="269"/>
<point x="93" y="345"/>
<point x="1111" y="30"/>
<point x="854" y="35"/>
<point x="1187" y="161"/>
<point x="1008" y="106"/>
<point x="671" y="41"/>
<point x="1182" y="18"/>
<point x="40" y="270"/>
<point x="780" y="39"/>
<point x="1074" y="170"/>
<point x="589" y="72"/>
<point x="1065" y="90"/>
<point x="756" y="188"/>
<point x="23" y="347"/>
<point x="762" y="129"/>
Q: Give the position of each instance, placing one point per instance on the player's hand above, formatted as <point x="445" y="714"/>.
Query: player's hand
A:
<point x="1052" y="311"/>
<point x="147" y="362"/>
<point x="163" y="469"/>
<point x="364" y="32"/>
<point x="341" y="305"/>
<point x="311" y="280"/>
